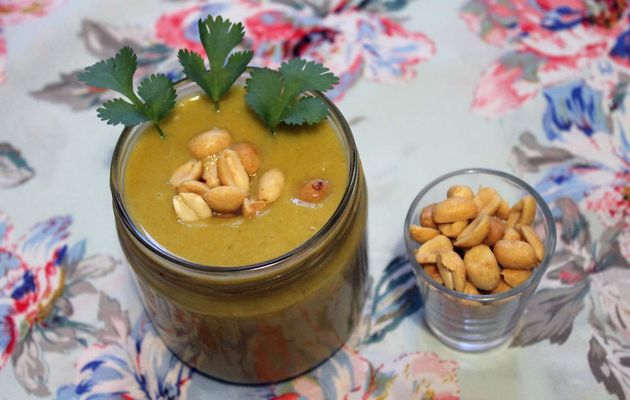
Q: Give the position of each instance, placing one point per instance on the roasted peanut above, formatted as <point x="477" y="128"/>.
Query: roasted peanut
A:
<point x="251" y="208"/>
<point x="231" y="170"/>
<point x="426" y="217"/>
<point x="501" y="248"/>
<point x="515" y="254"/>
<point x="189" y="171"/>
<point x="484" y="196"/>
<point x="470" y="288"/>
<point x="504" y="210"/>
<point x="208" y="143"/>
<point x="447" y="276"/>
<point x="452" y="262"/>
<point x="454" y="209"/>
<point x="501" y="287"/>
<point x="224" y="199"/>
<point x="475" y="232"/>
<point x="193" y="187"/>
<point x="453" y="229"/>
<point x="512" y="219"/>
<point x="210" y="173"/>
<point x="249" y="156"/>
<point x="491" y="207"/>
<point x="515" y="277"/>
<point x="422" y="234"/>
<point x="533" y="239"/>
<point x="481" y="267"/>
<point x="511" y="234"/>
<point x="496" y="231"/>
<point x="460" y="191"/>
<point x="314" y="191"/>
<point x="433" y="272"/>
<point x="527" y="208"/>
<point x="271" y="185"/>
<point x="190" y="207"/>
<point x="427" y="253"/>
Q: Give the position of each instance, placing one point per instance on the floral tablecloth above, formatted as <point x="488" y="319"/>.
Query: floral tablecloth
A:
<point x="534" y="87"/>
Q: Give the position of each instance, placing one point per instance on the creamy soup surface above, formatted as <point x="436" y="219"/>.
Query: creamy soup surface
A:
<point x="302" y="153"/>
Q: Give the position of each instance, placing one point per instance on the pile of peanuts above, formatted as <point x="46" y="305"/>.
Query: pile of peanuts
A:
<point x="478" y="244"/>
<point x="218" y="179"/>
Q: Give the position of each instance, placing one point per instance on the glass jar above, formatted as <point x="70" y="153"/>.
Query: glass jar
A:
<point x="477" y="322"/>
<point x="257" y="323"/>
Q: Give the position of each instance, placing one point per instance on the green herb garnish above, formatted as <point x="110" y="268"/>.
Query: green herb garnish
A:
<point x="218" y="37"/>
<point x="276" y="96"/>
<point x="156" y="92"/>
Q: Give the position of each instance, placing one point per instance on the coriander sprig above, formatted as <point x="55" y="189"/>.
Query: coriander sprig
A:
<point x="219" y="37"/>
<point x="277" y="96"/>
<point x="155" y="98"/>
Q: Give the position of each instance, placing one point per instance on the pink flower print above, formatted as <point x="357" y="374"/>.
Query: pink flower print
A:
<point x="611" y="204"/>
<point x="16" y="11"/>
<point x="350" y="40"/>
<point x="418" y="375"/>
<point x="30" y="278"/>
<point x="506" y="80"/>
<point x="550" y="42"/>
<point x="347" y="375"/>
<point x="3" y="58"/>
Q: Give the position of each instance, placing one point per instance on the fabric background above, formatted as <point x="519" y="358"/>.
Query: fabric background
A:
<point x="536" y="88"/>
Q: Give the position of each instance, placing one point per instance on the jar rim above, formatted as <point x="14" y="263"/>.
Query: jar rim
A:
<point x="116" y="169"/>
<point x="539" y="271"/>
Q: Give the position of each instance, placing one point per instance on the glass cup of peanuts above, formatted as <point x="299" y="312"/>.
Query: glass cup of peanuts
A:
<point x="479" y="241"/>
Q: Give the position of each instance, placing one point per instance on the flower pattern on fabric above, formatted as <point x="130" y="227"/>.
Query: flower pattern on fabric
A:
<point x="17" y="11"/>
<point x="14" y="170"/>
<point x="575" y="54"/>
<point x="31" y="277"/>
<point x="353" y="38"/>
<point x="127" y="363"/>
<point x="14" y="12"/>
<point x="585" y="174"/>
<point x="576" y="50"/>
<point x="3" y="57"/>
<point x="39" y="277"/>
<point x="584" y="274"/>
<point x="610" y="315"/>
<point x="349" y="376"/>
<point x="345" y="375"/>
<point x="593" y="169"/>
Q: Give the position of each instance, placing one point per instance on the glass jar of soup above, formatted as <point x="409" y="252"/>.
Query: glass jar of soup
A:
<point x="260" y="321"/>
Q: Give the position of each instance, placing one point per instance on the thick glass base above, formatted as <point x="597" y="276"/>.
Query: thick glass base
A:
<point x="470" y="346"/>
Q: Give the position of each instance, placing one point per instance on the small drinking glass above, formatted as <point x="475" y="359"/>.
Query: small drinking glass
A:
<point x="467" y="322"/>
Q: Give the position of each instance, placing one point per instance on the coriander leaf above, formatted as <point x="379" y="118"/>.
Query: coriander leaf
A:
<point x="234" y="67"/>
<point x="194" y="68"/>
<point x="219" y="37"/>
<point x="308" y="110"/>
<point x="118" y="111"/>
<point x="158" y="93"/>
<point x="115" y="73"/>
<point x="301" y="75"/>
<point x="264" y="95"/>
<point x="275" y="95"/>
